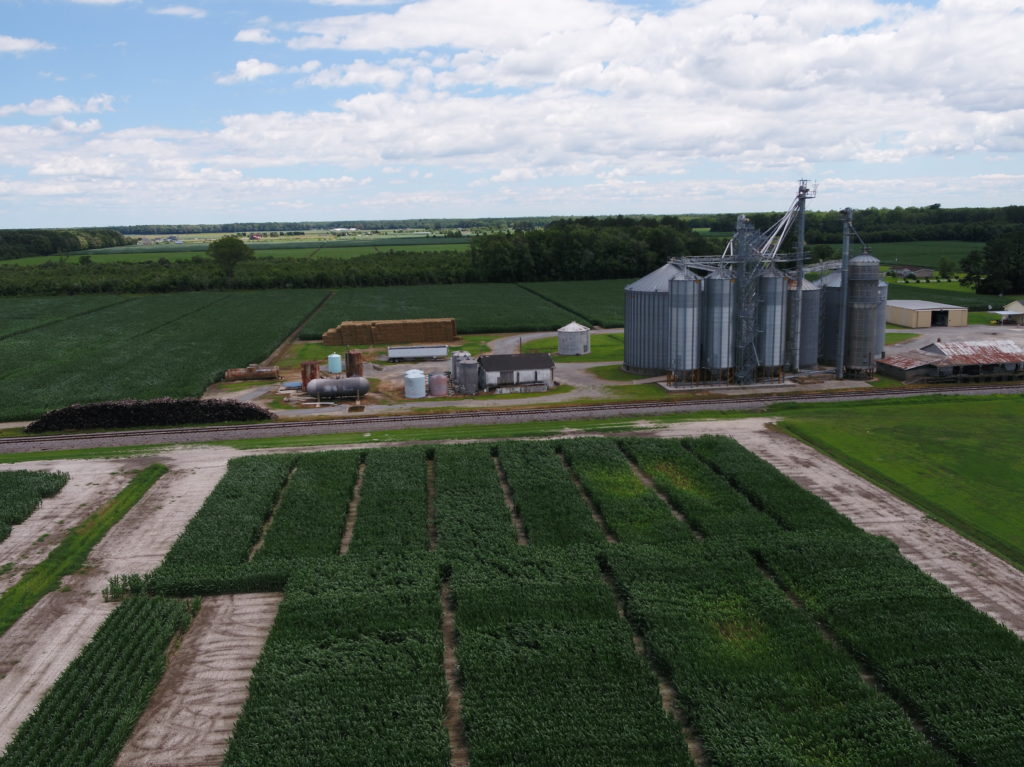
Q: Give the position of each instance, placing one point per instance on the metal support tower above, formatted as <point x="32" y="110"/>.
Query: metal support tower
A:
<point x="803" y="194"/>
<point x="748" y="268"/>
<point x="844" y="294"/>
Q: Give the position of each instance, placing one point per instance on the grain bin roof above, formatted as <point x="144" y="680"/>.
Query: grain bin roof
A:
<point x="574" y="327"/>
<point x="494" y="363"/>
<point x="658" y="280"/>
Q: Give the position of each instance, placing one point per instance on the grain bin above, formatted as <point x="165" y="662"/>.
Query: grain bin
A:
<point x="810" y="321"/>
<point x="574" y="339"/>
<point x="415" y="384"/>
<point x="334" y="364"/>
<point x="771" y="325"/>
<point x="862" y="316"/>
<point x="438" y="384"/>
<point x="831" y="296"/>
<point x="684" y="299"/>
<point x="719" y="313"/>
<point x="647" y="319"/>
<point x="883" y="297"/>
<point x="469" y="376"/>
<point x="338" y="388"/>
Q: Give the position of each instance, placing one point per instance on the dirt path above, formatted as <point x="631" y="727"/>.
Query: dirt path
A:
<point x="37" y="649"/>
<point x="973" y="573"/>
<point x="192" y="712"/>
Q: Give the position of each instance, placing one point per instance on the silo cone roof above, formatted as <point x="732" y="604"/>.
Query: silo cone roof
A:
<point x="658" y="280"/>
<point x="864" y="258"/>
<point x="574" y="327"/>
<point x="831" y="280"/>
<point x="807" y="285"/>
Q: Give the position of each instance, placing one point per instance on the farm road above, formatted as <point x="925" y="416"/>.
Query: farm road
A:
<point x="993" y="586"/>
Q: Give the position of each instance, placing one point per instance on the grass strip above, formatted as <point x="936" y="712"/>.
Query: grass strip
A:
<point x="71" y="553"/>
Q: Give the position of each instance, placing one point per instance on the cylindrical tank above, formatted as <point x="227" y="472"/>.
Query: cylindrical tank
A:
<point x="831" y="295"/>
<point x="810" y="320"/>
<point x="354" y="362"/>
<point x="862" y="315"/>
<point x="574" y="339"/>
<point x="457" y="358"/>
<point x="719" y="294"/>
<point x="469" y="376"/>
<point x="771" y="314"/>
<point x="415" y="384"/>
<point x="438" y="383"/>
<point x="334" y="363"/>
<point x="338" y="388"/>
<point x="883" y="297"/>
<point x="646" y="336"/>
<point x="684" y="323"/>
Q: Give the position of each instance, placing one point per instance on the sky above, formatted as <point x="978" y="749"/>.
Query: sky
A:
<point x="117" y="112"/>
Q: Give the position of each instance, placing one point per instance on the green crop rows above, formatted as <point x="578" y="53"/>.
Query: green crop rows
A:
<point x="146" y="347"/>
<point x="785" y="634"/>
<point x="21" y="492"/>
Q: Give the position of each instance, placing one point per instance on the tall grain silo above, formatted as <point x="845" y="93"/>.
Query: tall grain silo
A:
<point x="646" y="337"/>
<point x="719" y="315"/>
<point x="809" y="319"/>
<point x="862" y="315"/>
<point x="771" y="319"/>
<point x="883" y="296"/>
<point x="829" y="302"/>
<point x="684" y="324"/>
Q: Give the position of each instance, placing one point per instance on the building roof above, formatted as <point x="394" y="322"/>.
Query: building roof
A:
<point x="958" y="354"/>
<point x="494" y="363"/>
<point x="658" y="280"/>
<point x="920" y="306"/>
<point x="574" y="327"/>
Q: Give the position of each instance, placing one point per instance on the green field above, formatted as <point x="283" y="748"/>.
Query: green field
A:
<point x="722" y="570"/>
<point x="595" y="302"/>
<point x="925" y="253"/>
<point x="953" y="457"/>
<point x="136" y="254"/>
<point x="604" y="347"/>
<point x="477" y="307"/>
<point x="137" y="347"/>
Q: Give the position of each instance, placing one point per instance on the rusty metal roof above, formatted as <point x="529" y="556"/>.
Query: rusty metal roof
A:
<point x="958" y="354"/>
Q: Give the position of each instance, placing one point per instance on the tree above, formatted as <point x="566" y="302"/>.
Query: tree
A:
<point x="228" y="252"/>
<point x="946" y="267"/>
<point x="999" y="267"/>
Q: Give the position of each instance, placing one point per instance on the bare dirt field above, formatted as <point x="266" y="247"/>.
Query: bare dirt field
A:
<point x="192" y="713"/>
<point x="35" y="651"/>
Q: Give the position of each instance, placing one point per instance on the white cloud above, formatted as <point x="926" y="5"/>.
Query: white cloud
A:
<point x="259" y="35"/>
<point x="184" y="11"/>
<point x="358" y="73"/>
<point x="22" y="45"/>
<point x="58" y="105"/>
<point x="249" y="70"/>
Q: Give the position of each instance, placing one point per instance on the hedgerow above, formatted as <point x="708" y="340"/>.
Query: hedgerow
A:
<point x="166" y="411"/>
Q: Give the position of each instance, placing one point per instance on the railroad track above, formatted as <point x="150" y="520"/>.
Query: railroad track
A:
<point x="371" y="423"/>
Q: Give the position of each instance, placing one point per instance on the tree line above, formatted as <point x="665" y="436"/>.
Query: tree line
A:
<point x="21" y="243"/>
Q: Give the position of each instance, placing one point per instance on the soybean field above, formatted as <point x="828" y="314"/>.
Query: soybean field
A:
<point x="591" y="602"/>
<point x="60" y="351"/>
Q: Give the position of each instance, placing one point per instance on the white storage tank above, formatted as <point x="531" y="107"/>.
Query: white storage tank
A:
<point x="415" y="384"/>
<point x="574" y="339"/>
<point x="334" y="364"/>
<point x="438" y="383"/>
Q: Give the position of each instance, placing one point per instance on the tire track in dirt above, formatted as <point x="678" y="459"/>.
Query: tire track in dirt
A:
<point x="192" y="713"/>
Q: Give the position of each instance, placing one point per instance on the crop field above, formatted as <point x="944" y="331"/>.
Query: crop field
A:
<point x="21" y="492"/>
<point x="951" y="456"/>
<point x="137" y="347"/>
<point x="591" y="602"/>
<point x="596" y="302"/>
<point x="924" y="253"/>
<point x="477" y="308"/>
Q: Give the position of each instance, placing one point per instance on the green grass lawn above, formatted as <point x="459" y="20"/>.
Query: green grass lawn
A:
<point x="896" y="338"/>
<point x="614" y="373"/>
<point x="957" y="458"/>
<point x="604" y="347"/>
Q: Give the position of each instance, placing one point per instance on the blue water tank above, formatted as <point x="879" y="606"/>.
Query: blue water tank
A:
<point x="334" y="363"/>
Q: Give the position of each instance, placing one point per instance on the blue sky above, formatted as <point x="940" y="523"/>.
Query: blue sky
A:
<point x="134" y="111"/>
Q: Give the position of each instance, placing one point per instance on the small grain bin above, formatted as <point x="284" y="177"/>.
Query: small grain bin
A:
<point x="574" y="339"/>
<point x="415" y="384"/>
<point x="438" y="384"/>
<point x="334" y="364"/>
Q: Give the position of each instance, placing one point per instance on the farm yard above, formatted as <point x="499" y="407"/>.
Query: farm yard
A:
<point x="593" y="601"/>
